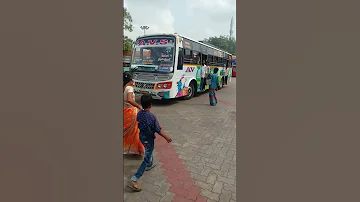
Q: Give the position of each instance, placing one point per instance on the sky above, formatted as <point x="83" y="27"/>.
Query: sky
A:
<point x="196" y="19"/>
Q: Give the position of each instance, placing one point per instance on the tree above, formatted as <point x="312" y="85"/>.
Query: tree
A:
<point x="226" y="43"/>
<point x="128" y="43"/>
<point x="128" y="21"/>
<point x="223" y="42"/>
<point x="129" y="27"/>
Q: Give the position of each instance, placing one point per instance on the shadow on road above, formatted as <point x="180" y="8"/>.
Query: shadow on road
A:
<point x="133" y="157"/>
<point x="162" y="103"/>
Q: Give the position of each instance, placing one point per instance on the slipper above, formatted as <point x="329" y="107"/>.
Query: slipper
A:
<point x="149" y="168"/>
<point x="136" y="189"/>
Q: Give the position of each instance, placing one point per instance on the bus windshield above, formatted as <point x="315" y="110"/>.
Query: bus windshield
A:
<point x="154" y="54"/>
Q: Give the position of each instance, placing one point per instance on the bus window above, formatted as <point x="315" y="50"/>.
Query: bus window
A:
<point x="137" y="55"/>
<point x="210" y="60"/>
<point x="203" y="58"/>
<point x="196" y="58"/>
<point x="147" y="53"/>
<point x="148" y="56"/>
<point x="188" y="57"/>
<point x="216" y="61"/>
<point x="180" y="59"/>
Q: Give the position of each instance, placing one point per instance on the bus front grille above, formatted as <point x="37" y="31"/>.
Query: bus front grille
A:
<point x="152" y="77"/>
<point x="144" y="85"/>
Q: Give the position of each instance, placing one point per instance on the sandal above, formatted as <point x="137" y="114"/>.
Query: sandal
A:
<point x="135" y="187"/>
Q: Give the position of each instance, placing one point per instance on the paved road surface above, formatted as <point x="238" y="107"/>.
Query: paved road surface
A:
<point x="200" y="164"/>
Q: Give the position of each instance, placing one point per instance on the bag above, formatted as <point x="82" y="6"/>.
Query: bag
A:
<point x="208" y="79"/>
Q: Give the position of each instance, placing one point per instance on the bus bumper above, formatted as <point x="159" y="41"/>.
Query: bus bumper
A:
<point x="158" y="95"/>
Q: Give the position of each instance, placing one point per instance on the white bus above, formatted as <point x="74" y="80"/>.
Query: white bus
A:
<point x="169" y="65"/>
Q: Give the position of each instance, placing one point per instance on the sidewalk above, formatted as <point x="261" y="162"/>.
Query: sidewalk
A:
<point x="200" y="164"/>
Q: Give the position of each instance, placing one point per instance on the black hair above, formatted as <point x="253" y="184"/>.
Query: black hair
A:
<point x="216" y="70"/>
<point x="127" y="77"/>
<point x="146" y="101"/>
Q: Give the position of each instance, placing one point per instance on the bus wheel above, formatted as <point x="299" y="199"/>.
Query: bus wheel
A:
<point x="191" y="90"/>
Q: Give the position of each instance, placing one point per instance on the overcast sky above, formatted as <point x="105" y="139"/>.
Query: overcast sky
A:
<point x="197" y="19"/>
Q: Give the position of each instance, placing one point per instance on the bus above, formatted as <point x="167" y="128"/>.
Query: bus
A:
<point x="168" y="66"/>
<point x="126" y="62"/>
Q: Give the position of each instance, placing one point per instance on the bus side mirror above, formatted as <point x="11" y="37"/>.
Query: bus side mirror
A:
<point x="180" y="60"/>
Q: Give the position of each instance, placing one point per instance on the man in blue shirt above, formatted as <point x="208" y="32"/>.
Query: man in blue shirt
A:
<point x="148" y="126"/>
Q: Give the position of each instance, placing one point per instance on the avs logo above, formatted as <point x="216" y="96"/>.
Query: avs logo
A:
<point x="153" y="42"/>
<point x="190" y="69"/>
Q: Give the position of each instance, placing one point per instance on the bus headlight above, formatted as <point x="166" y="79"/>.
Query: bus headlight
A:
<point x="164" y="85"/>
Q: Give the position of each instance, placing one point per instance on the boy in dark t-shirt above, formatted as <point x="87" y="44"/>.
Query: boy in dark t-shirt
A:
<point x="148" y="126"/>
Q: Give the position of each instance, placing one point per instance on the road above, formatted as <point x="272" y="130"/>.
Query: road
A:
<point x="200" y="164"/>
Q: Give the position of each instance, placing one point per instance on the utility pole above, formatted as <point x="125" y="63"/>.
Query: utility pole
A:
<point x="144" y="27"/>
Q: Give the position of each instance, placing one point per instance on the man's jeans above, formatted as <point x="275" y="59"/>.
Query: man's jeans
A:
<point x="148" y="159"/>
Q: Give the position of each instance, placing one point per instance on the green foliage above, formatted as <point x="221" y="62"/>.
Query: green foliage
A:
<point x="128" y="43"/>
<point x="129" y="27"/>
<point x="223" y="42"/>
<point x="127" y="21"/>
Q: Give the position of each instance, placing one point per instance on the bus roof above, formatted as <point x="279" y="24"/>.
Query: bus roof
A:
<point x="207" y="45"/>
<point x="178" y="35"/>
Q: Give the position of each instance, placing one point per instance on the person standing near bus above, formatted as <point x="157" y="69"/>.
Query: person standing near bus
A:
<point x="226" y="74"/>
<point x="213" y="87"/>
<point x="132" y="143"/>
<point x="203" y="76"/>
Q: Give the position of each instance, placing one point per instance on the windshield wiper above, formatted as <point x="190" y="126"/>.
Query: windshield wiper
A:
<point x="136" y="68"/>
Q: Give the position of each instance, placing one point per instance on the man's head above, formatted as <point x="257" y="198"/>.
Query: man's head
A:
<point x="216" y="70"/>
<point x="146" y="101"/>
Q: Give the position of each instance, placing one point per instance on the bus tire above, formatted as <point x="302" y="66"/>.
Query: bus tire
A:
<point x="191" y="90"/>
